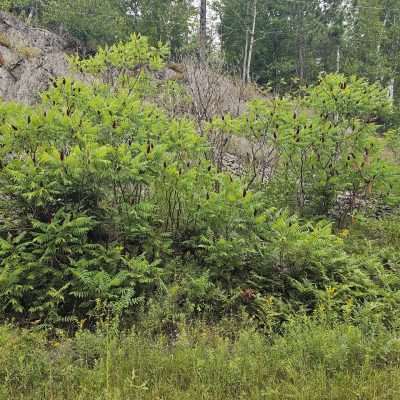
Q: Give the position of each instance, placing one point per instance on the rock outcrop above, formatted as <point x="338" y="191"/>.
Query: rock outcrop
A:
<point x="29" y="58"/>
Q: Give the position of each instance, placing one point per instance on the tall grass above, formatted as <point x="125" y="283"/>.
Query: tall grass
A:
<point x="311" y="360"/>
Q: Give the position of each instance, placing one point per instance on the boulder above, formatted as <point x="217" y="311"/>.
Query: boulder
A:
<point x="29" y="58"/>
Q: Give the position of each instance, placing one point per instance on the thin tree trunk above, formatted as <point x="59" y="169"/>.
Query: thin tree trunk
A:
<point x="301" y="60"/>
<point x="33" y="11"/>
<point x="252" y="37"/>
<point x="203" y="29"/>
<point x="246" y="46"/>
<point x="299" y="20"/>
<point x="338" y="57"/>
<point x="30" y="16"/>
<point x="391" y="89"/>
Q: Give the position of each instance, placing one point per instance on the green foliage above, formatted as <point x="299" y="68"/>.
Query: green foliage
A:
<point x="13" y="5"/>
<point x="113" y="213"/>
<point x="296" y="41"/>
<point x="293" y="43"/>
<point x="97" y="23"/>
<point x="125" y="57"/>
<point x="293" y="40"/>
<point x="349" y="98"/>
<point x="54" y="274"/>
<point x="312" y="360"/>
<point x="92" y="22"/>
<point x="309" y="151"/>
<point x="168" y="21"/>
<point x="95" y="180"/>
<point x="107" y="203"/>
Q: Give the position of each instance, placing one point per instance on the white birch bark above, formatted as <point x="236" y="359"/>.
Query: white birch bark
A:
<point x="252" y="39"/>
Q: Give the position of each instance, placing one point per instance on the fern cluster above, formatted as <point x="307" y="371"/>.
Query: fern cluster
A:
<point x="105" y="199"/>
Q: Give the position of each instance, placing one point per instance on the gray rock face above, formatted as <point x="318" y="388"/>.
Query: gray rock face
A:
<point x="29" y="58"/>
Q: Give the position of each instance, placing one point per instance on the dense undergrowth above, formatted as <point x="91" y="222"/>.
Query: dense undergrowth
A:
<point x="112" y="210"/>
<point x="313" y="359"/>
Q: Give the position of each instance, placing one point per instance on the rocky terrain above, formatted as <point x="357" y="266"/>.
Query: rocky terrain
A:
<point x="29" y="58"/>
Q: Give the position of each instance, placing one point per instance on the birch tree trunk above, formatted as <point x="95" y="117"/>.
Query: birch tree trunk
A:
<point x="252" y="37"/>
<point x="246" y="46"/>
<point x="391" y="89"/>
<point x="30" y="16"/>
<point x="338" y="57"/>
<point x="32" y="11"/>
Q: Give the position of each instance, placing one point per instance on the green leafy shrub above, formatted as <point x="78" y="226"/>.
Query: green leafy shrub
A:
<point x="307" y="152"/>
<point x="106" y="202"/>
